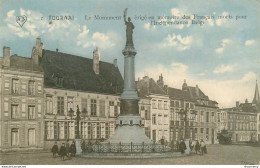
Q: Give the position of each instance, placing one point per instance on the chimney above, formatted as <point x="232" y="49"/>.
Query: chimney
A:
<point x="115" y="62"/>
<point x="237" y="104"/>
<point x="197" y="90"/>
<point x="6" y="53"/>
<point x="184" y="86"/>
<point x="37" y="51"/>
<point x="96" y="58"/>
<point x="160" y="81"/>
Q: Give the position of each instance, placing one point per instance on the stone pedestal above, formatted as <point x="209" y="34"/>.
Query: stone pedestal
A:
<point x="187" y="143"/>
<point x="78" y="146"/>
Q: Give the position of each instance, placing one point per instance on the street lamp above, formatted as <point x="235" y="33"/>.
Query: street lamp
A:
<point x="184" y="117"/>
<point x="77" y="120"/>
<point x="84" y="113"/>
<point x="71" y="113"/>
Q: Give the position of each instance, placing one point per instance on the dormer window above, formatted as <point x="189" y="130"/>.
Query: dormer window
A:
<point x="58" y="78"/>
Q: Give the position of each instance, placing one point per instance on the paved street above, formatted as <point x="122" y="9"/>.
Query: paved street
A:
<point x="217" y="154"/>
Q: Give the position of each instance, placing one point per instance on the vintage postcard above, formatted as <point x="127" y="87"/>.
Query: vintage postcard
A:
<point x="109" y="82"/>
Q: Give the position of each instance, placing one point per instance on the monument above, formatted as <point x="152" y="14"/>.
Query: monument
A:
<point x="129" y="140"/>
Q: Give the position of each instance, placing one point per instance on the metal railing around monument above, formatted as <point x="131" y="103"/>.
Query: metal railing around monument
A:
<point x="129" y="148"/>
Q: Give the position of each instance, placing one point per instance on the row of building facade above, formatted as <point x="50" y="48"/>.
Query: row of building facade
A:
<point x="40" y="96"/>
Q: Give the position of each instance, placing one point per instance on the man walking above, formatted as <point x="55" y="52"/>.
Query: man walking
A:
<point x="63" y="151"/>
<point x="202" y="146"/>
<point x="54" y="150"/>
<point x="182" y="146"/>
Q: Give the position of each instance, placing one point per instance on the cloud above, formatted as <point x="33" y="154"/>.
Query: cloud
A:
<point x="224" y="68"/>
<point x="62" y="30"/>
<point x="225" y="92"/>
<point x="223" y="45"/>
<point x="148" y="26"/>
<point x="249" y="42"/>
<point x="182" y="43"/>
<point x="10" y="13"/>
<point x="101" y="40"/>
<point x="179" y="13"/>
<point x="220" y="22"/>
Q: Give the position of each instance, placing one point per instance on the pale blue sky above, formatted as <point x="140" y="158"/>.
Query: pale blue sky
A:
<point x="221" y="56"/>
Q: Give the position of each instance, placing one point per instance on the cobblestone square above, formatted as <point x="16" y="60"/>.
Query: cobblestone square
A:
<point x="217" y="154"/>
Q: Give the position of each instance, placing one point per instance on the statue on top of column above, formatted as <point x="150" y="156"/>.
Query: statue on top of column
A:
<point x="129" y="30"/>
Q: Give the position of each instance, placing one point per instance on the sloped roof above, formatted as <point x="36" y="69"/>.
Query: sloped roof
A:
<point x="148" y="86"/>
<point x="179" y="94"/>
<point x="197" y="95"/>
<point x="77" y="73"/>
<point x="24" y="63"/>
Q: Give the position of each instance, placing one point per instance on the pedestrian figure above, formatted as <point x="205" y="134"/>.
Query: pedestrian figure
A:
<point x="83" y="146"/>
<point x="63" y="151"/>
<point x="182" y="146"/>
<point x="191" y="146"/>
<point x="68" y="148"/>
<point x="202" y="146"/>
<point x="197" y="147"/>
<point x="73" y="149"/>
<point x="54" y="149"/>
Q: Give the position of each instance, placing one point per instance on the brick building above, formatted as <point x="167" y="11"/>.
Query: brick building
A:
<point x="21" y="101"/>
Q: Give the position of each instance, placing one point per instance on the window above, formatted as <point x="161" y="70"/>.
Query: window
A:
<point x="71" y="130"/>
<point x="15" y="86"/>
<point x="49" y="105"/>
<point x="172" y="114"/>
<point x="159" y="104"/>
<point x="201" y="116"/>
<point x="61" y="130"/>
<point x="102" y="108"/>
<point x="191" y="106"/>
<point x="201" y="130"/>
<point x="50" y="130"/>
<point x="172" y="103"/>
<point x="98" y="130"/>
<point x="14" y="111"/>
<point x="160" y="119"/>
<point x="116" y="111"/>
<point x="93" y="107"/>
<point x="213" y="117"/>
<point x="177" y="104"/>
<point x="70" y="104"/>
<point x="154" y="119"/>
<point x="154" y="104"/>
<point x="187" y="105"/>
<point x="31" y="86"/>
<point x="84" y="130"/>
<point x="84" y="104"/>
<point x="111" y="103"/>
<point x="31" y="112"/>
<point x="15" y="137"/>
<point x="207" y="117"/>
<point x="182" y="104"/>
<point x="60" y="105"/>
<point x="107" y="130"/>
<point x="165" y="105"/>
<point x="89" y="131"/>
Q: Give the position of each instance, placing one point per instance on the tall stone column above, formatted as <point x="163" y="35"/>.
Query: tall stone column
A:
<point x="129" y="127"/>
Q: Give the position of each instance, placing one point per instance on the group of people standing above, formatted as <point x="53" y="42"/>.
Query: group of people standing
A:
<point x="66" y="150"/>
<point x="198" y="147"/>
